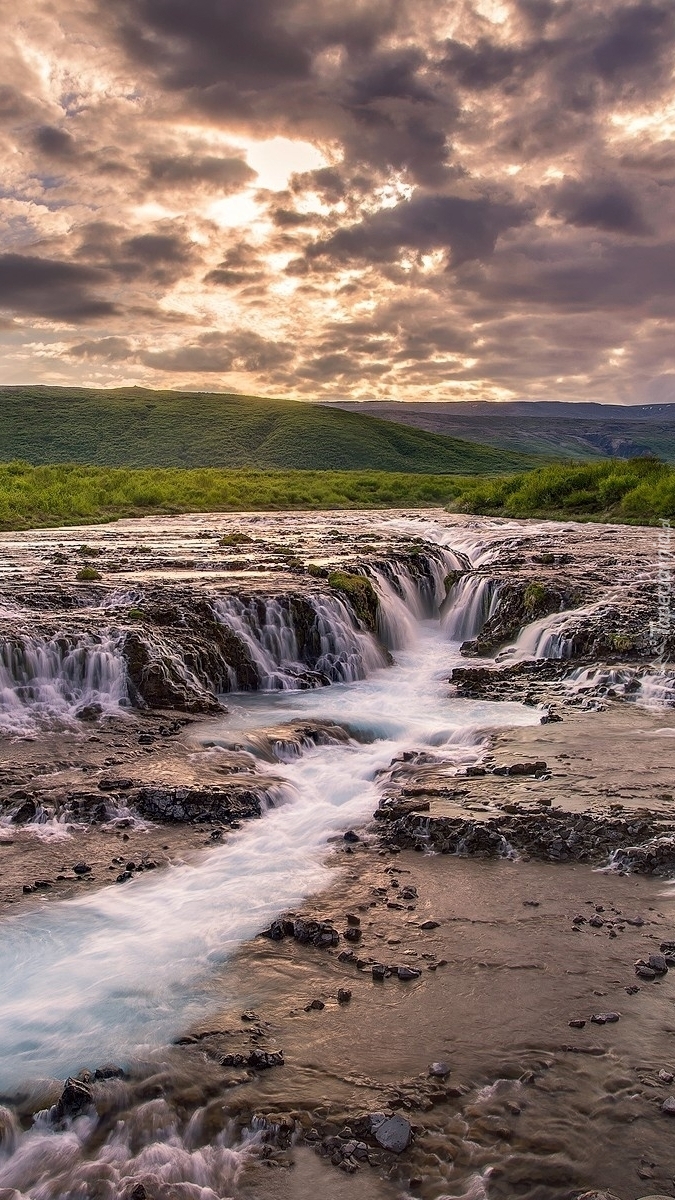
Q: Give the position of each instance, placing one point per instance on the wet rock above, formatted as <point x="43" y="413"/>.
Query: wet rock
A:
<point x="668" y="1106"/>
<point x="344" y="995"/>
<point x="394" y="1134"/>
<point x="74" y="1100"/>
<point x="608" y="1018"/>
<point x="89" y="712"/>
<point x="26" y="813"/>
<point x="426" y="925"/>
<point x="666" y="1076"/>
<point x="264" y="1060"/>
<point x="406" y="973"/>
<point x="109" y="1071"/>
<point x="351" y="836"/>
<point x="439" y="1070"/>
<point x="658" y="963"/>
<point x="576" y="1024"/>
<point x="352" y="919"/>
<point x="82" y="868"/>
<point x="315" y="1005"/>
<point x="238" y="801"/>
<point x="378" y="971"/>
<point x="352" y="934"/>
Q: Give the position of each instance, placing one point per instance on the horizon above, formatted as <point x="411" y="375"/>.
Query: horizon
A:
<point x="393" y="201"/>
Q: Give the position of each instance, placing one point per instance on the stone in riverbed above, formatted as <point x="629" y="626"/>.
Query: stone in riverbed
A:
<point x="608" y="1018"/>
<point x="439" y="1070"/>
<point x="73" y="1101"/>
<point x="81" y="868"/>
<point x="378" y="970"/>
<point x="344" y="996"/>
<point x="429" y="925"/>
<point x="393" y="1134"/>
<point x="668" y="1106"/>
<point x="658" y="963"/>
<point x="406" y="973"/>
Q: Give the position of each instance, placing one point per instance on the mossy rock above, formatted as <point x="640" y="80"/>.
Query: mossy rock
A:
<point x="534" y="598"/>
<point x="360" y="595"/>
<point x="88" y="574"/>
<point x="236" y="539"/>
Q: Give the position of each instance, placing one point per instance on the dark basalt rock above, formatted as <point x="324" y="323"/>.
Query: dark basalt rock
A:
<point x="75" y="1099"/>
<point x="639" y="843"/>
<point x="321" y="934"/>
<point x="196" y="805"/>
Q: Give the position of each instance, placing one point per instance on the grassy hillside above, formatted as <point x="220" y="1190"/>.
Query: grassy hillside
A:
<point x="68" y="495"/>
<point x="134" y="427"/>
<point x="553" y="430"/>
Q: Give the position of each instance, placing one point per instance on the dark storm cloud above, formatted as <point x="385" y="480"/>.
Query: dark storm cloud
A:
<point x="47" y="288"/>
<point x="55" y="143"/>
<point x="468" y="228"/>
<point x="227" y="174"/>
<point x="610" y="207"/>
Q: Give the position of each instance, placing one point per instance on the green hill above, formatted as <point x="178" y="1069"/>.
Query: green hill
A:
<point x="136" y="427"/>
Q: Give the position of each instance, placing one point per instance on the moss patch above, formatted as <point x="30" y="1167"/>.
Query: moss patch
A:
<point x="360" y="594"/>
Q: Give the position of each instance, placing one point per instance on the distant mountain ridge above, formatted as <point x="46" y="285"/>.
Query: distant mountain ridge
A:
<point x="556" y="429"/>
<point x="137" y="427"/>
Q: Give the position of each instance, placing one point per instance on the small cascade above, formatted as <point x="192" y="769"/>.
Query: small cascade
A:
<point x="52" y="679"/>
<point x="288" y="640"/>
<point x="545" y="638"/>
<point x="397" y="627"/>
<point x="470" y="604"/>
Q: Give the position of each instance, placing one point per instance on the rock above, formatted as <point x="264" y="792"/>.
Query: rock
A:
<point x="89" y="712"/>
<point x="250" y="1015"/>
<point x="73" y="1101"/>
<point x="82" y="868"/>
<point x="378" y="971"/>
<point x="351" y="836"/>
<point x="668" y="1106"/>
<point x="263" y="1060"/>
<point x="344" y="996"/>
<point x="576" y="1024"/>
<point x="26" y="813"/>
<point x="352" y="919"/>
<point x="109" y="1071"/>
<point x="666" y="1076"/>
<point x="608" y="1018"/>
<point x="643" y="971"/>
<point x="439" y="1070"/>
<point x="352" y="934"/>
<point x="596" y="922"/>
<point x="658" y="963"/>
<point x="315" y="1005"/>
<point x="406" y="973"/>
<point x="429" y="924"/>
<point x="394" y="1134"/>
<point x="139" y="1193"/>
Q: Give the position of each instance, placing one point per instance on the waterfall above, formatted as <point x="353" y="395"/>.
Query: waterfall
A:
<point x="330" y="645"/>
<point x="51" y="679"/>
<point x="544" y="638"/>
<point x="470" y="604"/>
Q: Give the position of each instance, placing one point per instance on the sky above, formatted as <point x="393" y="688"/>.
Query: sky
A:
<point x="365" y="199"/>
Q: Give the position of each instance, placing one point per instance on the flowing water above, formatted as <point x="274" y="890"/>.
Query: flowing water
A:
<point x="119" y="973"/>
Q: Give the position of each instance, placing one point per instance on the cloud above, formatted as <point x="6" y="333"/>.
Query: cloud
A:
<point x="468" y="228"/>
<point x="47" y="288"/>
<point x="495" y="215"/>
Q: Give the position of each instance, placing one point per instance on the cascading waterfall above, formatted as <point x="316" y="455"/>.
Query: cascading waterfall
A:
<point x="544" y="638"/>
<point x="53" y="678"/>
<point x="470" y="603"/>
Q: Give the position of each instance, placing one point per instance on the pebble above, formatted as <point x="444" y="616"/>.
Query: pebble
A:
<point x="668" y="1106"/>
<point x="576" y="1024"/>
<point x="666" y="1076"/>
<point x="408" y="973"/>
<point x="81" y="868"/>
<point x="429" y="925"/>
<point x="378" y="970"/>
<point x="608" y="1018"/>
<point x="344" y="995"/>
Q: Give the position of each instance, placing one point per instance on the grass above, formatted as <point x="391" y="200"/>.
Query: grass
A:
<point x="637" y="490"/>
<point x="136" y="427"/>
